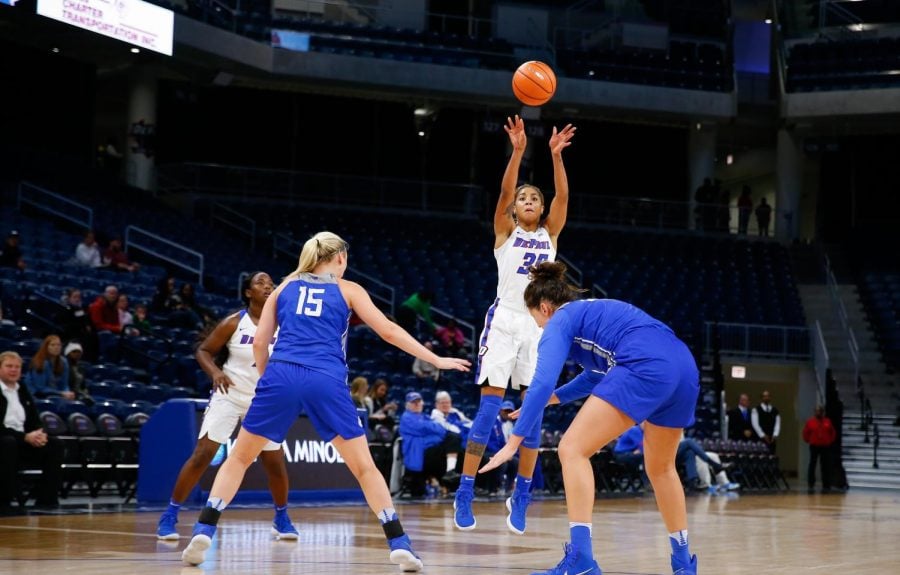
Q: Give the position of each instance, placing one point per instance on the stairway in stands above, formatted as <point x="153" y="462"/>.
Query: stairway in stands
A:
<point x="859" y="455"/>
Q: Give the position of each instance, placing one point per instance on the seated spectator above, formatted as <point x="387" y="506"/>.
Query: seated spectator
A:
<point x="629" y="449"/>
<point x="381" y="411"/>
<point x="140" y="321"/>
<point x="189" y="299"/>
<point x="705" y="473"/>
<point x="77" y="381"/>
<point x="49" y="371"/>
<point x="429" y="450"/>
<point x="116" y="258"/>
<point x="22" y="439"/>
<point x="415" y="306"/>
<point x="451" y="418"/>
<point x="358" y="389"/>
<point x="105" y="311"/>
<point x="75" y="322"/>
<point x="688" y="452"/>
<point x="125" y="317"/>
<point x="506" y="426"/>
<point x="11" y="253"/>
<point x="424" y="370"/>
<point x="87" y="253"/>
<point x="168" y="303"/>
<point x="451" y="337"/>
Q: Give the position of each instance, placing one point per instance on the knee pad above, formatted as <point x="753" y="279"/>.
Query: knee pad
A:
<point x="533" y="439"/>
<point x="484" y="421"/>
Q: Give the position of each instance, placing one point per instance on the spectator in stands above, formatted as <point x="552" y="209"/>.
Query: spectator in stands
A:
<point x="820" y="434"/>
<point x="167" y="303"/>
<point x="763" y="216"/>
<point x="125" y="316"/>
<point x="358" y="389"/>
<point x="87" y="253"/>
<point x="381" y="411"/>
<point x="48" y="374"/>
<point x="506" y="426"/>
<point x="105" y="310"/>
<point x="451" y="337"/>
<point x="766" y="421"/>
<point x="449" y="417"/>
<point x="77" y="382"/>
<point x="739" y="426"/>
<point x="415" y="306"/>
<point x="116" y="258"/>
<point x="723" y="210"/>
<point x="424" y="370"/>
<point x="745" y="208"/>
<point x="11" y="253"/>
<point x="23" y="440"/>
<point x="688" y="453"/>
<point x="189" y="299"/>
<point x="705" y="473"/>
<point x="75" y="322"/>
<point x="705" y="197"/>
<point x="629" y="449"/>
<point x="140" y="322"/>
<point x="111" y="158"/>
<point x="428" y="448"/>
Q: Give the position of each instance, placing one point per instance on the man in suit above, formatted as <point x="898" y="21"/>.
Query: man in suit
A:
<point x="22" y="438"/>
<point x="766" y="421"/>
<point x="739" y="425"/>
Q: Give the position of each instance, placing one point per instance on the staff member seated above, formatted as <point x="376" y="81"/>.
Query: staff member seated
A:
<point x="429" y="450"/>
<point x="23" y="442"/>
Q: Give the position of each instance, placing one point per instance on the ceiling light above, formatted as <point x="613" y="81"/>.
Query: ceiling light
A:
<point x="135" y="50"/>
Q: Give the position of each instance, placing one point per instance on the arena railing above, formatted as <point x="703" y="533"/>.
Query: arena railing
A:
<point x="236" y="220"/>
<point x="379" y="291"/>
<point x="467" y="328"/>
<point x="165" y="250"/>
<point x="785" y="343"/>
<point x="820" y="361"/>
<point x="55" y="204"/>
<point x="840" y="311"/>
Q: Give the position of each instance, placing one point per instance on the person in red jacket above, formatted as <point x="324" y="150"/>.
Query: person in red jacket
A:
<point x="104" y="311"/>
<point x="820" y="434"/>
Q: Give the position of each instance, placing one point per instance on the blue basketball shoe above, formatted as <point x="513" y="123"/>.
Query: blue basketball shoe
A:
<point x="403" y="555"/>
<point x="462" y="510"/>
<point x="282" y="528"/>
<point x="573" y="564"/>
<point x="682" y="568"/>
<point x="165" y="529"/>
<point x="517" y="505"/>
<point x="201" y="539"/>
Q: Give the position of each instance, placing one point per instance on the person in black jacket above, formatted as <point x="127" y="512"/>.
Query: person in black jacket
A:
<point x="22" y="438"/>
<point x="740" y="427"/>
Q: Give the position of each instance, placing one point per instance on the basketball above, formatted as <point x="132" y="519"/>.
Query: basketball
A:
<point x="534" y="83"/>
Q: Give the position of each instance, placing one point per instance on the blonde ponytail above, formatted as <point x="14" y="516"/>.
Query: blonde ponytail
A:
<point x="322" y="247"/>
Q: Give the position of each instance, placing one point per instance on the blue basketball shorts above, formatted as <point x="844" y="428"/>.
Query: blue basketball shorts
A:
<point x="287" y="389"/>
<point x="655" y="379"/>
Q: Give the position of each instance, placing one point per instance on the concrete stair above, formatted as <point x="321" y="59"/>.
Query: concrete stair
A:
<point x="882" y="389"/>
<point x="859" y="456"/>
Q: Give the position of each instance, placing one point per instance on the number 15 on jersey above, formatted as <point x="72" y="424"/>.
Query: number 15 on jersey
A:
<point x="309" y="301"/>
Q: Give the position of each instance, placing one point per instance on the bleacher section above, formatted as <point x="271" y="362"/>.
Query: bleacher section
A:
<point x="843" y="65"/>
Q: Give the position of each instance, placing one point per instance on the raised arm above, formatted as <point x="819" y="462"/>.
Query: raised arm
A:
<point x="358" y="300"/>
<point x="503" y="221"/>
<point x="559" y="207"/>
<point x="210" y="348"/>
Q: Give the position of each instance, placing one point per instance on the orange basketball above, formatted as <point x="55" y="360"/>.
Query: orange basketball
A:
<point x="534" y="83"/>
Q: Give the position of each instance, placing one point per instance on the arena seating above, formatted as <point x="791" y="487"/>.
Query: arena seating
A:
<point x="843" y="65"/>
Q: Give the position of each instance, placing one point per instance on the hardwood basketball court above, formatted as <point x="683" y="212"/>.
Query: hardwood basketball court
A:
<point x="855" y="533"/>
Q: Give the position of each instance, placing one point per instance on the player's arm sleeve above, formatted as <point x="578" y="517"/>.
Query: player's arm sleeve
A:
<point x="580" y="387"/>
<point x="553" y="350"/>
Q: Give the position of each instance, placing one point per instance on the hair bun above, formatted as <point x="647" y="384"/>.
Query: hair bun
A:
<point x="548" y="271"/>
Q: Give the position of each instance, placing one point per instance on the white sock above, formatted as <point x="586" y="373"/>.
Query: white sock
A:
<point x="680" y="537"/>
<point x="451" y="462"/>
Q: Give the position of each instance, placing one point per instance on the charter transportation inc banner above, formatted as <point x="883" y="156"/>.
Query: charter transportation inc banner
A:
<point x="134" y="21"/>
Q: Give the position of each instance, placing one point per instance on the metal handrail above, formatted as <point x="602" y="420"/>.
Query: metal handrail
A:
<point x="597" y="290"/>
<point x="746" y="350"/>
<point x="821" y="361"/>
<point x="25" y="189"/>
<point x="573" y="272"/>
<point x="289" y="246"/>
<point x="221" y="212"/>
<point x="131" y="242"/>
<point x="840" y="310"/>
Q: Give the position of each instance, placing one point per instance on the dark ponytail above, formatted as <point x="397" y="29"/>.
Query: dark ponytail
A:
<point x="548" y="283"/>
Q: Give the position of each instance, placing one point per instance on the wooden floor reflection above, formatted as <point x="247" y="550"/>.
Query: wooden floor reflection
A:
<point x="744" y="535"/>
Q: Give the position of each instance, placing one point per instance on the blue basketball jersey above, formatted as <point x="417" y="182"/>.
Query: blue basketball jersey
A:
<point x="312" y="325"/>
<point x="593" y="333"/>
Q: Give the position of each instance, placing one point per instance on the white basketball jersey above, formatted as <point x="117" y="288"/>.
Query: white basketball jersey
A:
<point x="240" y="367"/>
<point x="518" y="253"/>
